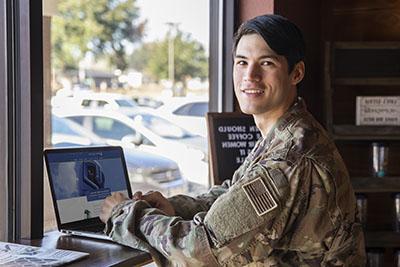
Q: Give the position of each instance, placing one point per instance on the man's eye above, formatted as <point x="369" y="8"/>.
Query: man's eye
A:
<point x="241" y="62"/>
<point x="267" y="63"/>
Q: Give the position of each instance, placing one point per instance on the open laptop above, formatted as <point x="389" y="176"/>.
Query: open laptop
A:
<point x="80" y="179"/>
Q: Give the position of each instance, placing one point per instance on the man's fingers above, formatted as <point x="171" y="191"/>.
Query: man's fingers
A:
<point x="152" y="197"/>
<point x="137" y="195"/>
<point x="109" y="203"/>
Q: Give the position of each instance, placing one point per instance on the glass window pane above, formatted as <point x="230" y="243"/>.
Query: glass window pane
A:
<point x="199" y="109"/>
<point x="113" y="60"/>
<point x="125" y="103"/>
<point x="109" y="128"/>
<point x="184" y="110"/>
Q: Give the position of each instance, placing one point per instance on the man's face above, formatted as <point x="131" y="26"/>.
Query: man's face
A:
<point x="261" y="79"/>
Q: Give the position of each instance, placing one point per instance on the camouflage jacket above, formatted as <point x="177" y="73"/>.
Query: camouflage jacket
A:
<point x="289" y="204"/>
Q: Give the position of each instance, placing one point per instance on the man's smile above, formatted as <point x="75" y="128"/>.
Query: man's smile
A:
<point x="252" y="91"/>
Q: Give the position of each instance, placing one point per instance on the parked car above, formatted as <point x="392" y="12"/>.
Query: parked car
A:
<point x="147" y="171"/>
<point x="107" y="101"/>
<point x="66" y="133"/>
<point x="144" y="101"/>
<point x="115" y="126"/>
<point x="170" y="131"/>
<point x="187" y="112"/>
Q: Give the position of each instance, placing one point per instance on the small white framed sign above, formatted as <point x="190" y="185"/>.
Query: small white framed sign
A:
<point x="378" y="110"/>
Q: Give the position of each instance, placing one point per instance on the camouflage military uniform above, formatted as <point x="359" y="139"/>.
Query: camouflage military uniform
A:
<point x="289" y="204"/>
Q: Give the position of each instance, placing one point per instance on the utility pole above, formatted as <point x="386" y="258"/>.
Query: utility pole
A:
<point x="173" y="28"/>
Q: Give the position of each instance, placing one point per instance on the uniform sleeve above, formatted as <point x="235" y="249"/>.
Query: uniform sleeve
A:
<point x="191" y="242"/>
<point x="240" y="210"/>
<point x="184" y="242"/>
<point x="251" y="202"/>
<point x="187" y="206"/>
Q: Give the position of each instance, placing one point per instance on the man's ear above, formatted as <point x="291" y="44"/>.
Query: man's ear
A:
<point x="298" y="71"/>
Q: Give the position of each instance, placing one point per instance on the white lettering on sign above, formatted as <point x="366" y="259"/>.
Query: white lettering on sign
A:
<point x="235" y="136"/>
<point x="244" y="136"/>
<point x="237" y="144"/>
<point x="232" y="129"/>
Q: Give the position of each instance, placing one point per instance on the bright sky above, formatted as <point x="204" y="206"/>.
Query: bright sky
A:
<point x="192" y="16"/>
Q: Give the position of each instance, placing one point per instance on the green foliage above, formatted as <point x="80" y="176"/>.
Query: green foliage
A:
<point x="190" y="59"/>
<point x="103" y="28"/>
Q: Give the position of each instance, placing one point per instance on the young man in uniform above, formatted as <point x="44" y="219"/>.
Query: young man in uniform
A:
<point x="289" y="204"/>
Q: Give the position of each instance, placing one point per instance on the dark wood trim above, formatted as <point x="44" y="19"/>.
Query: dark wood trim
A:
<point x="376" y="184"/>
<point x="328" y="90"/>
<point x="367" y="81"/>
<point x="383" y="239"/>
<point x="358" y="132"/>
<point x="366" y="45"/>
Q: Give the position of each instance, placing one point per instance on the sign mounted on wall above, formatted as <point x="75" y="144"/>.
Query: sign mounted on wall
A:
<point x="378" y="110"/>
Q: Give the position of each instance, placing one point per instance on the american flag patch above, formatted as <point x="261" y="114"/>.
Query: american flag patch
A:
<point x="260" y="197"/>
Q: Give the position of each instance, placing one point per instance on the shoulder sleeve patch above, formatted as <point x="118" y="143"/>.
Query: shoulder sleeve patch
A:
<point x="260" y="197"/>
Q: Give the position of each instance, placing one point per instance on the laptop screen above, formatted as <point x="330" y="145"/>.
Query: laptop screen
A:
<point x="81" y="178"/>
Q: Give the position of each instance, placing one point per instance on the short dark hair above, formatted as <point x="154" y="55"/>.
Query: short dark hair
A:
<point x="281" y="35"/>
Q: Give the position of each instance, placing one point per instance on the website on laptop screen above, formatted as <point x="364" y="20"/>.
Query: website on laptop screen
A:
<point x="82" y="180"/>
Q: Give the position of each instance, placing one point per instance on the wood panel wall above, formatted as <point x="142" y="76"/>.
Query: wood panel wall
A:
<point x="321" y="21"/>
<point x="334" y="20"/>
<point x="378" y="21"/>
<point x="364" y="20"/>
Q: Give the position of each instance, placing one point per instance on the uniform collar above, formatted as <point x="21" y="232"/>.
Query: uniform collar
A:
<point x="280" y="128"/>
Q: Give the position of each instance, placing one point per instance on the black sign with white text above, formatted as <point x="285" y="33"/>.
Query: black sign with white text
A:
<point x="231" y="137"/>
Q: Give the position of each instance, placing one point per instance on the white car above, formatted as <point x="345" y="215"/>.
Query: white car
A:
<point x="103" y="101"/>
<point x="187" y="112"/>
<point x="110" y="125"/>
<point x="147" y="171"/>
<point x="93" y="100"/>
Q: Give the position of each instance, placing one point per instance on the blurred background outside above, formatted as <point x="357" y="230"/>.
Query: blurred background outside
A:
<point x="132" y="73"/>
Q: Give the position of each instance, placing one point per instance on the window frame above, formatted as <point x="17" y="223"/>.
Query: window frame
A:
<point x="3" y="122"/>
<point x="22" y="135"/>
<point x="24" y="124"/>
<point x="222" y="14"/>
